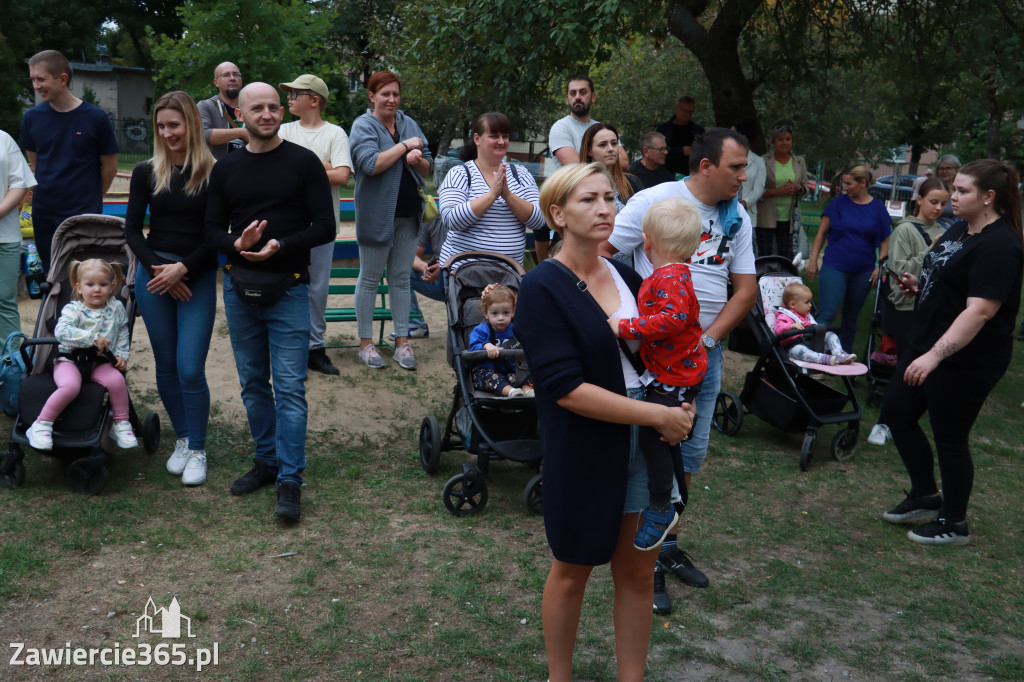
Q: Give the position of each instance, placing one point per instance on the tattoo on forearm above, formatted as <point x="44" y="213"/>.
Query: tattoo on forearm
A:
<point x="945" y="348"/>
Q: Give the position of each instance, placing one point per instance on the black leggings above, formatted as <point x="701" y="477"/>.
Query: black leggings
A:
<point x="953" y="397"/>
<point x="659" y="455"/>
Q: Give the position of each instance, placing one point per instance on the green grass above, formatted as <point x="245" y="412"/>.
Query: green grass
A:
<point x="806" y="581"/>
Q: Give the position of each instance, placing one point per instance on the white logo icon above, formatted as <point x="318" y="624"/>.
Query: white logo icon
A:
<point x="165" y="622"/>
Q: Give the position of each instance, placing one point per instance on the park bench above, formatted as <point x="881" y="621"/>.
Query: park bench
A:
<point x="343" y="283"/>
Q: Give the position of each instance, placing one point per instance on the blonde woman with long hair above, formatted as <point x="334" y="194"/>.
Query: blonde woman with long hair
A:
<point x="176" y="281"/>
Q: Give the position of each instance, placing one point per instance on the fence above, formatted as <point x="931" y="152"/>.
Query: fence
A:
<point x="134" y="139"/>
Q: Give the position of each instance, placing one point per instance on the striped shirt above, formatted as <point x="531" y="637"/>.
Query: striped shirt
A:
<point x="496" y="230"/>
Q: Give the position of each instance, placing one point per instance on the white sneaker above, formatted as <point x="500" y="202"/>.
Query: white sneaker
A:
<point x="123" y="435"/>
<point x="179" y="458"/>
<point x="40" y="435"/>
<point x="880" y="434"/>
<point x="195" y="470"/>
<point x="799" y="262"/>
<point x="515" y="393"/>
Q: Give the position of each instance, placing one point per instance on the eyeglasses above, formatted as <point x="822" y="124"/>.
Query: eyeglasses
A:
<point x="231" y="74"/>
<point x="658" y="149"/>
<point x="292" y="94"/>
<point x="946" y="168"/>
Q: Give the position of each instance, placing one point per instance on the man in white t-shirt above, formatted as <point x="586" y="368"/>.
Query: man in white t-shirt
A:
<point x="307" y="99"/>
<point x="726" y="253"/>
<point x="567" y="133"/>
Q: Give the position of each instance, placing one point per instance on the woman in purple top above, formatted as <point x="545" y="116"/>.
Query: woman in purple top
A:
<point x="856" y="226"/>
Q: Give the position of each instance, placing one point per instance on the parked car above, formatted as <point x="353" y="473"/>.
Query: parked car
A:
<point x="882" y="189"/>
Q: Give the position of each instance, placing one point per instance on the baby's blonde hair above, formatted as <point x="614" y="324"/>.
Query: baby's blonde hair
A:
<point x="793" y="290"/>
<point x="673" y="227"/>
<point x="113" y="270"/>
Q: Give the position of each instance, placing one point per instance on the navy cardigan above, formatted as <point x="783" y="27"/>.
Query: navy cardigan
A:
<point x="568" y="342"/>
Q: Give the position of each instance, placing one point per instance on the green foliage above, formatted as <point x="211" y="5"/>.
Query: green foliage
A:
<point x="638" y="87"/>
<point x="268" y="41"/>
<point x="89" y="95"/>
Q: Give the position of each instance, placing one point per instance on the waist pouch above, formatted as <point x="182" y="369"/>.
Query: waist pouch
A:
<point x="261" y="287"/>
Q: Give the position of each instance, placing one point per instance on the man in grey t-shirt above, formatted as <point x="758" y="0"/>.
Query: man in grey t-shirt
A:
<point x="567" y="133"/>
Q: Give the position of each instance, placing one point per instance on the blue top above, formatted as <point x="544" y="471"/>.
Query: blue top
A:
<point x="855" y="233"/>
<point x="586" y="461"/>
<point x="376" y="196"/>
<point x="481" y="335"/>
<point x="68" y="146"/>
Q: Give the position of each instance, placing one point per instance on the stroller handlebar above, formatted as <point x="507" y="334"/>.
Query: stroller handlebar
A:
<point x="503" y="354"/>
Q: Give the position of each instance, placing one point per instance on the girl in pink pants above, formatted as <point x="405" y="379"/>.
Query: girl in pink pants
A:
<point x="95" y="321"/>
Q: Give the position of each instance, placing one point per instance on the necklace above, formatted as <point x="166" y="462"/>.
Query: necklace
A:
<point x="964" y="236"/>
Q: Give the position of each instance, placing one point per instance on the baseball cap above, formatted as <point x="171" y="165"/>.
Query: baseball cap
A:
<point x="309" y="82"/>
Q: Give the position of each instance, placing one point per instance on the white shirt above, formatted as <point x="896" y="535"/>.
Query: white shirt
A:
<point x="329" y="142"/>
<point x="15" y="173"/>
<point x="716" y="257"/>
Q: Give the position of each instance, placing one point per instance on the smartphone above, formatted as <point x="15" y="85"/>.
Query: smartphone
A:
<point x="893" y="273"/>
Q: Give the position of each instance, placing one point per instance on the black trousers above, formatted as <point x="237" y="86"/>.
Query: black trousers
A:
<point x="777" y="240"/>
<point x="952" y="396"/>
<point x="659" y="455"/>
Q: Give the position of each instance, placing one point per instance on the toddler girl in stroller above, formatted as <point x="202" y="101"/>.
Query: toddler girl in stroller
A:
<point x="795" y="313"/>
<point x="94" y="344"/>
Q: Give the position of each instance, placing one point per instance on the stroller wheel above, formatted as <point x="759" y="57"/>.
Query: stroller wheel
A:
<point x="465" y="494"/>
<point x="533" y="496"/>
<point x="430" y="444"/>
<point x="12" y="468"/>
<point x="728" y="415"/>
<point x="151" y="433"/>
<point x="807" y="450"/>
<point x="88" y="475"/>
<point x="844" y="445"/>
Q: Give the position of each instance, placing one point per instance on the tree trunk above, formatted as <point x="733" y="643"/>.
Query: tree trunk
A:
<point x="717" y="50"/>
<point x="992" y="139"/>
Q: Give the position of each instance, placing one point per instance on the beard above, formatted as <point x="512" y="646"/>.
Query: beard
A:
<point x="580" y="108"/>
<point x="255" y="132"/>
<point x="232" y="93"/>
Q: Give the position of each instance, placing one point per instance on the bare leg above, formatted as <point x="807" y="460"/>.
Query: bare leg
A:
<point x="560" y="611"/>
<point x="633" y="573"/>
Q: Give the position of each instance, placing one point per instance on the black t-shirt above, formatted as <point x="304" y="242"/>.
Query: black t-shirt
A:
<point x="961" y="266"/>
<point x="677" y="137"/>
<point x="408" y="204"/>
<point x="650" y="178"/>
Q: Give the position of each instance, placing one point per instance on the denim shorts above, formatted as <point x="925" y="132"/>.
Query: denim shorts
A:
<point x="638" y="497"/>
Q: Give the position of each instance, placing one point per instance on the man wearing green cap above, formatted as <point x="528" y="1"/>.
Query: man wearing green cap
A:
<point x="307" y="99"/>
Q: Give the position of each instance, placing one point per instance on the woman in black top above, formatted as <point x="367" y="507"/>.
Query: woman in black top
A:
<point x="967" y="300"/>
<point x="176" y="282"/>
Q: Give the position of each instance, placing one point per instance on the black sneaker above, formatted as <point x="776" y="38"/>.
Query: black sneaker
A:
<point x="319" y="362"/>
<point x="288" y="504"/>
<point x="662" y="602"/>
<point x="941" y="532"/>
<point x="915" y="509"/>
<point x="260" y="475"/>
<point x="679" y="563"/>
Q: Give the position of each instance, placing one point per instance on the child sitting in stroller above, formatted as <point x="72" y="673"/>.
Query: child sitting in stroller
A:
<point x="795" y="313"/>
<point x="498" y="305"/>
<point x="670" y="332"/>
<point x="93" y="344"/>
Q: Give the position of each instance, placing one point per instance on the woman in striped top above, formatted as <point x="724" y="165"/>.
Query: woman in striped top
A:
<point x="486" y="204"/>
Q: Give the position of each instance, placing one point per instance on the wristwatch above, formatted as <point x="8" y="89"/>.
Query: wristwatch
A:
<point x="708" y="341"/>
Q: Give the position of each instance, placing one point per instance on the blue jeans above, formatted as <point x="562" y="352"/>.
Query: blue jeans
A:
<point x="696" y="449"/>
<point x="432" y="290"/>
<point x="273" y="339"/>
<point x="847" y="289"/>
<point x="180" y="332"/>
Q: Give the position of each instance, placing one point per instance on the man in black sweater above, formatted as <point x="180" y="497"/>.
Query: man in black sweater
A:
<point x="680" y="131"/>
<point x="269" y="204"/>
